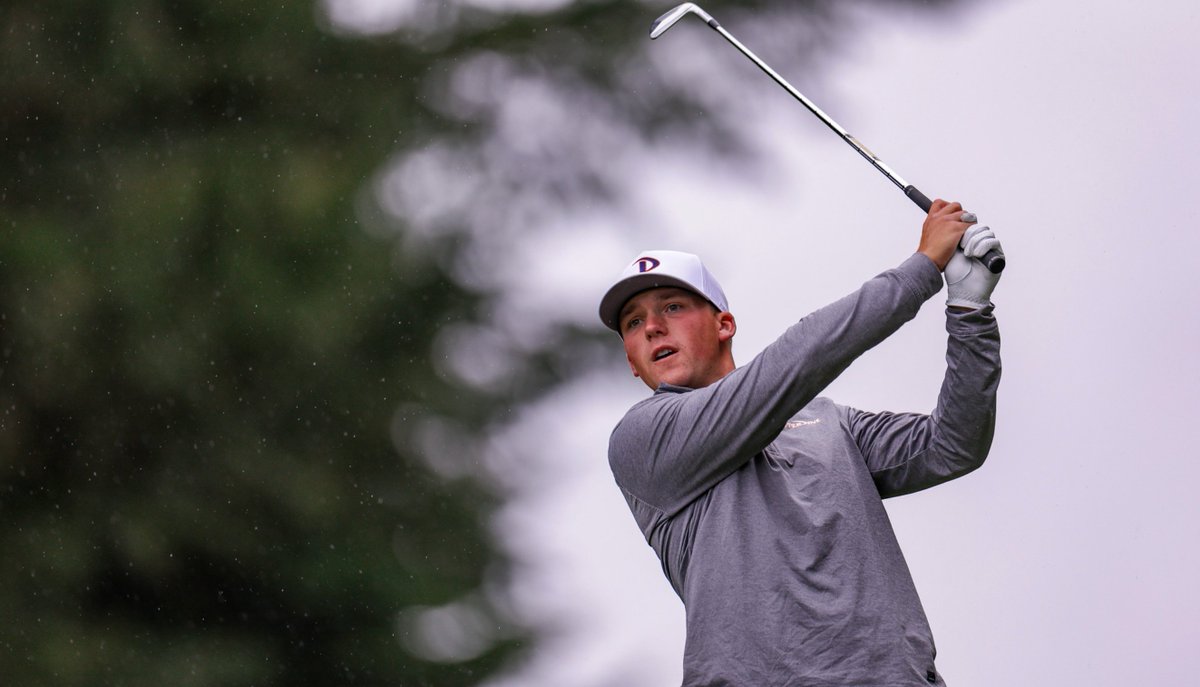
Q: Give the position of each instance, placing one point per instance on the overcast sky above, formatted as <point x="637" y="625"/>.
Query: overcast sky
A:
<point x="1071" y="557"/>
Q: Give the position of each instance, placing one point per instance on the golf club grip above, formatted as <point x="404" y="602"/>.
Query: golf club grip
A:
<point x="993" y="259"/>
<point x="917" y="197"/>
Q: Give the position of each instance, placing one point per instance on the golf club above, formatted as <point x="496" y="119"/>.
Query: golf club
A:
<point x="993" y="260"/>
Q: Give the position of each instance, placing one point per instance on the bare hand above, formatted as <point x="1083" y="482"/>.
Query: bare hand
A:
<point x="942" y="231"/>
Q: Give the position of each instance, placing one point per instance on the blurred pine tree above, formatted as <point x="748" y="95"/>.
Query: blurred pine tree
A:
<point x="203" y="352"/>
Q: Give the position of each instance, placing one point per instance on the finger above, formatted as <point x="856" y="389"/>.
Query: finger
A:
<point x="968" y="217"/>
<point x="979" y="240"/>
<point x="964" y="242"/>
<point x="980" y="230"/>
<point x="952" y="210"/>
<point x="981" y="247"/>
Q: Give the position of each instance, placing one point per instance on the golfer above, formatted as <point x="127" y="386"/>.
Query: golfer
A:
<point x="762" y="499"/>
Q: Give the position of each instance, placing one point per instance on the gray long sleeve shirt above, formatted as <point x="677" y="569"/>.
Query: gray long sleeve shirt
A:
<point x="763" y="501"/>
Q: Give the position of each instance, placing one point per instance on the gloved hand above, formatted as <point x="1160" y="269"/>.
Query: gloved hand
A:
<point x="968" y="283"/>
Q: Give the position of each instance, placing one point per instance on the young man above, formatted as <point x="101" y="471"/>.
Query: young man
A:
<point x="762" y="500"/>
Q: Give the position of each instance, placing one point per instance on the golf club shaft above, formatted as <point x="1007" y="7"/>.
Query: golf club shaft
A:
<point x="993" y="260"/>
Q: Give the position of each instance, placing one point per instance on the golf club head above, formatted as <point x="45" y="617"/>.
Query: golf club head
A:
<point x="668" y="19"/>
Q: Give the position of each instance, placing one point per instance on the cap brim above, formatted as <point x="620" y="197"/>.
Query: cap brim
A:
<point x="622" y="291"/>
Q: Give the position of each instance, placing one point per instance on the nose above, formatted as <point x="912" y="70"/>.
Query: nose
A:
<point x="656" y="325"/>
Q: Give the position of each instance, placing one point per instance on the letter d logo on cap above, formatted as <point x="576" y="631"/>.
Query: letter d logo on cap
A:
<point x="646" y="264"/>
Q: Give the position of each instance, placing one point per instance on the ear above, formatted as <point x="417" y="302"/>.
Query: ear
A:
<point x="726" y="326"/>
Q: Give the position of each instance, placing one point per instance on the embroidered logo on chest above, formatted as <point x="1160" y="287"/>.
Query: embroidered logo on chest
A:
<point x="793" y="424"/>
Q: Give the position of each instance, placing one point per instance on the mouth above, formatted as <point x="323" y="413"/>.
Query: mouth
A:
<point x="662" y="354"/>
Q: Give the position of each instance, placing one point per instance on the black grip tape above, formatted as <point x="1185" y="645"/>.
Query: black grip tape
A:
<point x="918" y="197"/>
<point x="993" y="260"/>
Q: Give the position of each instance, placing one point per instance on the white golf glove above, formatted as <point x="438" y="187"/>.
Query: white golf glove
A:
<point x="968" y="283"/>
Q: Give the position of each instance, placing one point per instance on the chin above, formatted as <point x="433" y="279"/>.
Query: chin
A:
<point x="676" y="380"/>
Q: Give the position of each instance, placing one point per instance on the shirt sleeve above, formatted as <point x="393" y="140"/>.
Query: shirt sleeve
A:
<point x="907" y="452"/>
<point x="672" y="447"/>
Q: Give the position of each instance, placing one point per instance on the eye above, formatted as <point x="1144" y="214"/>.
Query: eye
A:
<point x="674" y="307"/>
<point x="632" y="322"/>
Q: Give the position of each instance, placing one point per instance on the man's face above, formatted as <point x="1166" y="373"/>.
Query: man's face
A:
<point x="673" y="335"/>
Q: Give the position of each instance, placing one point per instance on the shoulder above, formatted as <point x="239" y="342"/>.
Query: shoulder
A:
<point x="637" y="433"/>
<point x="632" y="426"/>
<point x="650" y="411"/>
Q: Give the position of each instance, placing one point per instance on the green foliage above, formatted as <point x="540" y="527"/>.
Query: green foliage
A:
<point x="203" y="353"/>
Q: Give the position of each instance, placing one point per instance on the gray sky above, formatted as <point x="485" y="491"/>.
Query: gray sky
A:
<point x="1070" y="558"/>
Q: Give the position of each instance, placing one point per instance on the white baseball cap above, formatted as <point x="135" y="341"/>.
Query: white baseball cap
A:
<point x="655" y="268"/>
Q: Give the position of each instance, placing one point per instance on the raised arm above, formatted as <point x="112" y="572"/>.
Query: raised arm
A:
<point x="908" y="452"/>
<point x="675" y="445"/>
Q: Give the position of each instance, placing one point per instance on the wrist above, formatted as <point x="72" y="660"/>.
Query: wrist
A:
<point x="938" y="261"/>
<point x="965" y="303"/>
